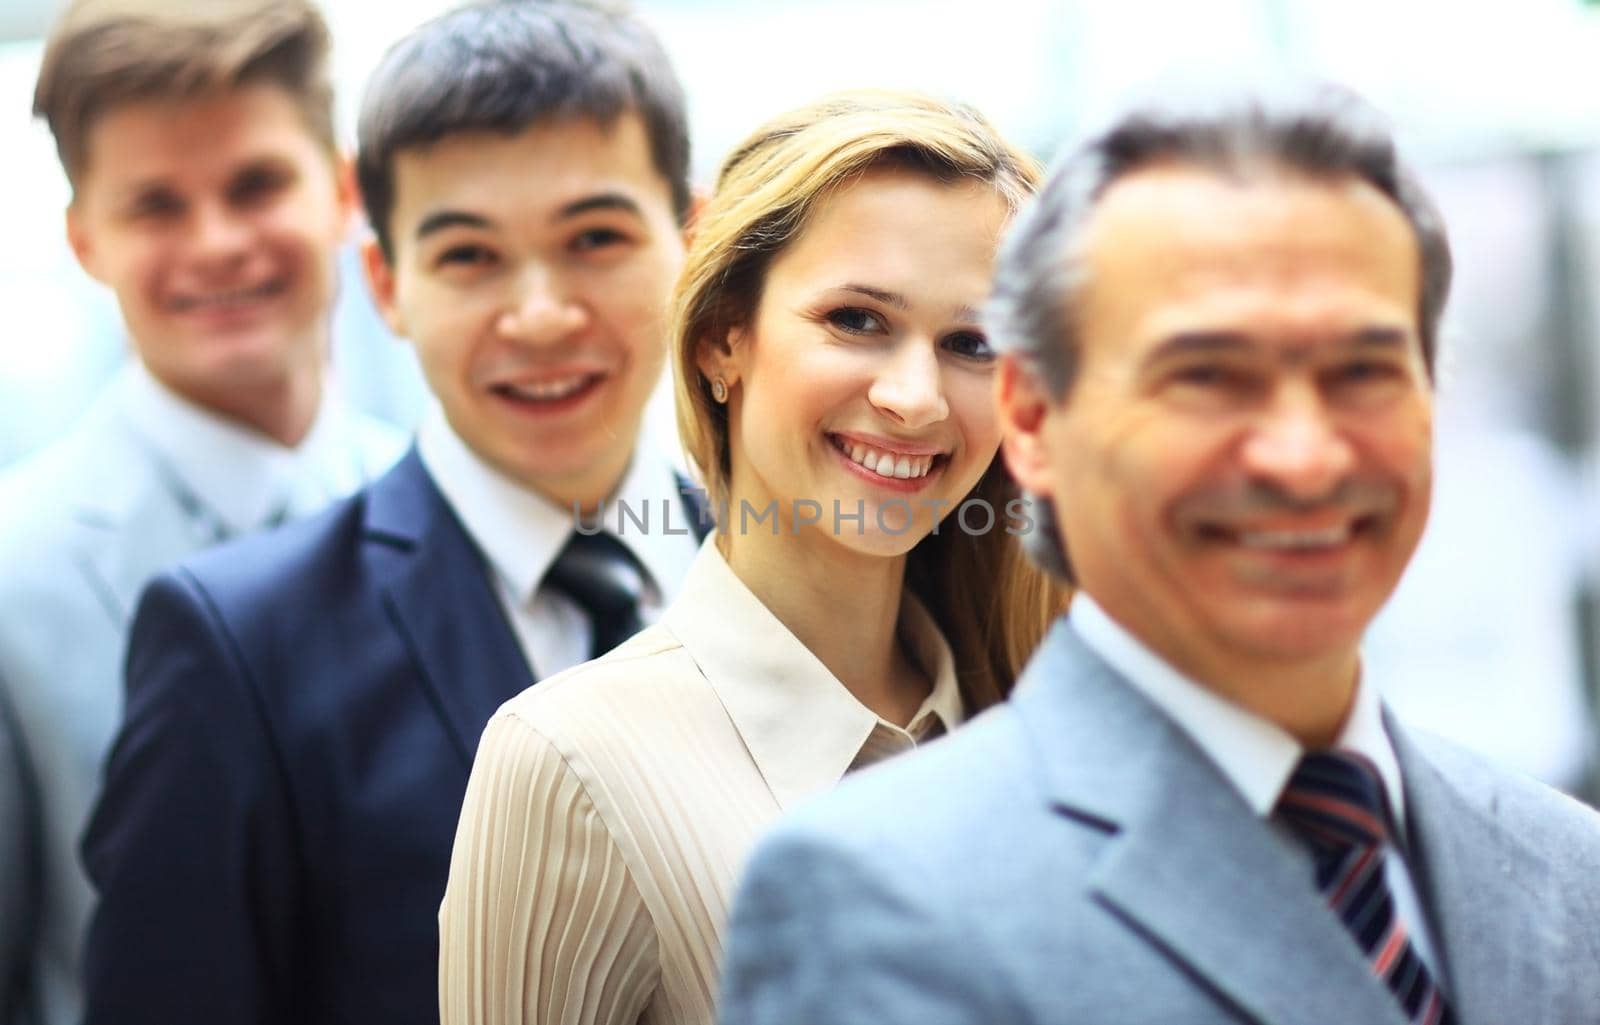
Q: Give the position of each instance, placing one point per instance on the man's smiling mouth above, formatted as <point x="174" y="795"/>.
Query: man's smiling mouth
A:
<point x="552" y="389"/>
<point x="227" y="299"/>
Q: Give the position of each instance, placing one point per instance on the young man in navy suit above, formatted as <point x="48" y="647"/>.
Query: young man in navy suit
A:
<point x="1219" y="326"/>
<point x="275" y="833"/>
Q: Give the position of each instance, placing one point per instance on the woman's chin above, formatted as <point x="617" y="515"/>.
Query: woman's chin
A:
<point x="890" y="535"/>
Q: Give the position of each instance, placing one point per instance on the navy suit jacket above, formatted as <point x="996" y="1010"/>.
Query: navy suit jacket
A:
<point x="274" y="836"/>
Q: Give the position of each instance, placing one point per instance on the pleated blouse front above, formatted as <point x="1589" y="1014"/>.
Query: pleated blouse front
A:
<point x="611" y="808"/>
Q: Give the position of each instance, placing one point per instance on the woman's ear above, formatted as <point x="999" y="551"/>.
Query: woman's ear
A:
<point x="722" y="360"/>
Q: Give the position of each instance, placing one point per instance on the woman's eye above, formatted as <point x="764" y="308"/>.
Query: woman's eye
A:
<point x="855" y="320"/>
<point x="969" y="344"/>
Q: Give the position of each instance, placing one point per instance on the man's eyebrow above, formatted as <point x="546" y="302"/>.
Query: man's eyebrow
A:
<point x="142" y="188"/>
<point x="262" y="162"/>
<point x="1186" y="343"/>
<point x="600" y="201"/>
<point x="439" y="220"/>
<point x="1382" y="337"/>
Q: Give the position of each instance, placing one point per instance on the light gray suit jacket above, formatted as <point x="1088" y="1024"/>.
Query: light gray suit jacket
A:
<point x="83" y="525"/>
<point x="1072" y="856"/>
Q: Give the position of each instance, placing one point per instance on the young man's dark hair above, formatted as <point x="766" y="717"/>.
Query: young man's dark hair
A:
<point x="502" y="65"/>
<point x="106" y="52"/>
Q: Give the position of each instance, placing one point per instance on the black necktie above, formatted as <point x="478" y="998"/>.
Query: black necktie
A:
<point x="596" y="571"/>
<point x="1335" y="802"/>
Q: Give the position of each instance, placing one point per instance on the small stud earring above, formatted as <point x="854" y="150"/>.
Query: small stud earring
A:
<point x="719" y="389"/>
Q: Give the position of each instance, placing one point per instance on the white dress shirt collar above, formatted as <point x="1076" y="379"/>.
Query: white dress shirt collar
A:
<point x="1255" y="755"/>
<point x="521" y="532"/>
<point x="667" y="545"/>
<point x="802" y="726"/>
<point x="242" y="476"/>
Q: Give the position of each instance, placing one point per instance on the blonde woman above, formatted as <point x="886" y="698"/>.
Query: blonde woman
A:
<point x="834" y="394"/>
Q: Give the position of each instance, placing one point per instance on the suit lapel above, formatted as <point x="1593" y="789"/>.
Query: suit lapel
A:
<point x="1189" y="866"/>
<point x="438" y="591"/>
<point x="115" y="568"/>
<point x="133" y="518"/>
<point x="1485" y="892"/>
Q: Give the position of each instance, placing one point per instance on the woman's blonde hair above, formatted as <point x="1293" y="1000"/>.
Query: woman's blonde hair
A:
<point x="991" y="603"/>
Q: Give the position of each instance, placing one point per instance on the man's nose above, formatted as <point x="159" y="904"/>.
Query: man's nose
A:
<point x="908" y="388"/>
<point x="218" y="233"/>
<point x="1298" y="446"/>
<point x="541" y="309"/>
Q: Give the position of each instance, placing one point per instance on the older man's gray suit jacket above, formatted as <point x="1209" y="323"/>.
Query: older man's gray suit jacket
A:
<point x="1072" y="857"/>
<point x="84" y="524"/>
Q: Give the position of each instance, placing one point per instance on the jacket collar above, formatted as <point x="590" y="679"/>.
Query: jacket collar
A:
<point x="1488" y="892"/>
<point x="437" y="590"/>
<point x="1185" y="860"/>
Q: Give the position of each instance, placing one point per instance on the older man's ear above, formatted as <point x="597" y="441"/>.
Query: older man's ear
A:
<point x="1024" y="406"/>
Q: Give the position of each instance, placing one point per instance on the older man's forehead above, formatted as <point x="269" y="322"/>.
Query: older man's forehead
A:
<point x="1180" y="252"/>
<point x="1207" y="229"/>
<point x="1188" y="203"/>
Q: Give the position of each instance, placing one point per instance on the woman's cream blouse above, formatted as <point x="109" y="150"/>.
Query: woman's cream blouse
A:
<point x="611" y="807"/>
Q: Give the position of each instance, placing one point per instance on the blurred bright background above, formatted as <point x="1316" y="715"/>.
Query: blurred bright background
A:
<point x="1491" y="638"/>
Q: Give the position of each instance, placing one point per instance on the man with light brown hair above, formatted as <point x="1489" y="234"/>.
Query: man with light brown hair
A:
<point x="273" y="836"/>
<point x="207" y="195"/>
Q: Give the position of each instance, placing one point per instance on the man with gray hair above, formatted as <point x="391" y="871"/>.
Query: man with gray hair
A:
<point x="1219" y="332"/>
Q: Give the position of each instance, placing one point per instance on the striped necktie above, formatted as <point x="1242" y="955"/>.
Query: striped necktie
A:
<point x="1335" y="802"/>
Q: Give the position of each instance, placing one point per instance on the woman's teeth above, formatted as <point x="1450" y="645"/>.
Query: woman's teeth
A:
<point x="887" y="464"/>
